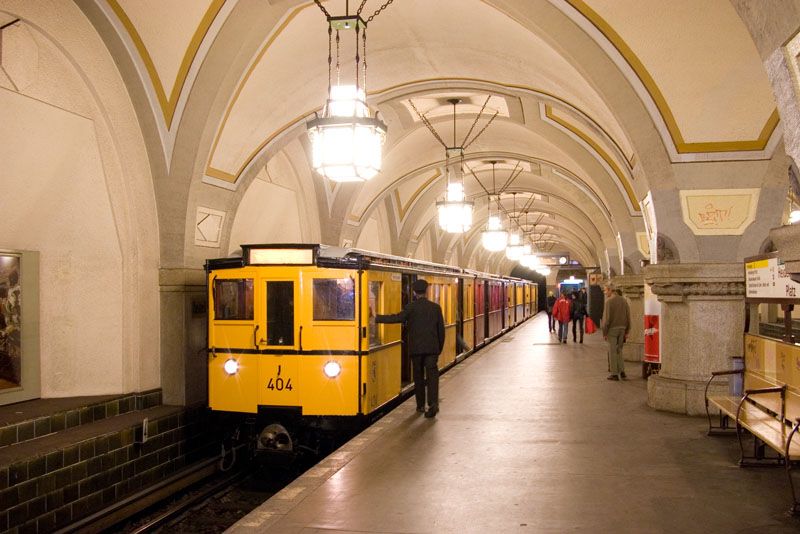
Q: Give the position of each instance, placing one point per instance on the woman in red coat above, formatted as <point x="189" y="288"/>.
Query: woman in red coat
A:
<point x="562" y="311"/>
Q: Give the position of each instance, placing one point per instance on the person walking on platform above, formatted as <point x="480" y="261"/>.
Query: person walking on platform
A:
<point x="578" y="313"/>
<point x="616" y="325"/>
<point x="562" y="311"/>
<point x="551" y="300"/>
<point x="425" y="324"/>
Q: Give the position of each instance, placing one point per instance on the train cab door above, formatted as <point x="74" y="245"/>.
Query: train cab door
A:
<point x="277" y="334"/>
<point x="460" y="343"/>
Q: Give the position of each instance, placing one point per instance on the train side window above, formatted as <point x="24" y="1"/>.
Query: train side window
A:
<point x="334" y="299"/>
<point x="374" y="309"/>
<point x="233" y="299"/>
<point x="280" y="313"/>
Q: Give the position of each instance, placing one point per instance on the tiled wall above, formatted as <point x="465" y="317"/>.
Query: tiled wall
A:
<point x="53" y="491"/>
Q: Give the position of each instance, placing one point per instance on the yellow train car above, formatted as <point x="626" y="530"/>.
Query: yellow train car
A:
<point x="292" y="345"/>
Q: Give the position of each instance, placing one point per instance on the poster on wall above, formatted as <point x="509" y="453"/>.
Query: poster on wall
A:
<point x="10" y="322"/>
<point x="652" y="326"/>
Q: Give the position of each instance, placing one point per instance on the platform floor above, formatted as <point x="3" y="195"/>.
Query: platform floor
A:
<point x="531" y="437"/>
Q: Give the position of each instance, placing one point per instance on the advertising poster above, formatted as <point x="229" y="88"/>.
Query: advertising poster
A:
<point x="652" y="327"/>
<point x="10" y="322"/>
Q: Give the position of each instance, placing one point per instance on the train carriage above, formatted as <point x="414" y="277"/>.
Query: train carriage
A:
<point x="292" y="340"/>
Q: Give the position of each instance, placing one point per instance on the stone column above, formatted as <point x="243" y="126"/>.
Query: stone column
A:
<point x="632" y="286"/>
<point x="184" y="313"/>
<point x="702" y="324"/>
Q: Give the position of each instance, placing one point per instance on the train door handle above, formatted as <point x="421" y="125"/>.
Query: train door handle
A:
<point x="255" y="331"/>
<point x="300" y="338"/>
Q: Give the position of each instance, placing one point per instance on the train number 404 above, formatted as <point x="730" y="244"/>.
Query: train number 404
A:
<point x="279" y="384"/>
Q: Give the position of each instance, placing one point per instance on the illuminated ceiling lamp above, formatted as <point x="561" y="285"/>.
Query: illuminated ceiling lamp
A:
<point x="455" y="211"/>
<point x="346" y="141"/>
<point x="494" y="238"/>
<point x="515" y="249"/>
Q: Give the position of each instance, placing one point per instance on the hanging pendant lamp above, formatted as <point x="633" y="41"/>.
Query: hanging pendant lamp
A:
<point x="494" y="237"/>
<point x="455" y="211"/>
<point x="347" y="140"/>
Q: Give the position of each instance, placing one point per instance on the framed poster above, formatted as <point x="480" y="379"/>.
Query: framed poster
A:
<point x="19" y="326"/>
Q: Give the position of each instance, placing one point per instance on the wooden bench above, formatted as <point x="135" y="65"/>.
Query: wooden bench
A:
<point x="769" y="408"/>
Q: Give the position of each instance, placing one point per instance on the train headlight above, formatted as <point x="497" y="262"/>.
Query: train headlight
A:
<point x="332" y="369"/>
<point x="231" y="366"/>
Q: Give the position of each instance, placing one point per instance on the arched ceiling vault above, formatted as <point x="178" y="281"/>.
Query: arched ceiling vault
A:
<point x="598" y="99"/>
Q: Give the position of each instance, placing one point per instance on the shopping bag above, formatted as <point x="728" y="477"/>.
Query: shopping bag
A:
<point x="591" y="328"/>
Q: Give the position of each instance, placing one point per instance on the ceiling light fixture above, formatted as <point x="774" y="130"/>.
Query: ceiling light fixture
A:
<point x="346" y="141"/>
<point x="494" y="238"/>
<point x="455" y="211"/>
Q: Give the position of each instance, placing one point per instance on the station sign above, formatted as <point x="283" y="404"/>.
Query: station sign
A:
<point x="767" y="279"/>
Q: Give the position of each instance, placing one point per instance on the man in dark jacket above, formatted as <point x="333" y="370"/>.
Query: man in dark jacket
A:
<point x="578" y="313"/>
<point x="425" y="324"/>
<point x="551" y="301"/>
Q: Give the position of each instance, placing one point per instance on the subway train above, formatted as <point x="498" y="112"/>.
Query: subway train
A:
<point x="293" y="348"/>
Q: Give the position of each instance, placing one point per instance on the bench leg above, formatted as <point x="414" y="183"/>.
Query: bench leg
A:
<point x="723" y="428"/>
<point x="795" y="509"/>
<point x="759" y="457"/>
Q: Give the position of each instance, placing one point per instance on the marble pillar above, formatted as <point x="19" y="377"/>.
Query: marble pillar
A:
<point x="632" y="287"/>
<point x="184" y="303"/>
<point x="702" y="324"/>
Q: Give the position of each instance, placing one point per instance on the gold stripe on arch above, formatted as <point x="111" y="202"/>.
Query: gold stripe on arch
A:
<point x="548" y="111"/>
<point x="168" y="105"/>
<point x="661" y="102"/>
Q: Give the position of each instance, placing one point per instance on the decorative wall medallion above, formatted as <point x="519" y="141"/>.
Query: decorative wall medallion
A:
<point x="719" y="211"/>
<point x="208" y="227"/>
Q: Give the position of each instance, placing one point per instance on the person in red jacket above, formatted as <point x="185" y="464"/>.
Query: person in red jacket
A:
<point x="562" y="311"/>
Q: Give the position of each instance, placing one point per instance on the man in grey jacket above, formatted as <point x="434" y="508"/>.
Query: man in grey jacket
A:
<point x="616" y="325"/>
<point x="425" y="324"/>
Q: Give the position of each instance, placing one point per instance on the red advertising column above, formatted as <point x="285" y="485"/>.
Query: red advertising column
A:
<point x="652" y="332"/>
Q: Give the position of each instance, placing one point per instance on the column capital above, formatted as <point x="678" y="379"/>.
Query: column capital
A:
<point x="632" y="285"/>
<point x="710" y="281"/>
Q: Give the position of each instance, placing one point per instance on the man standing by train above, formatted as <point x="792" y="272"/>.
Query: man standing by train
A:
<point x="616" y="325"/>
<point x="425" y="324"/>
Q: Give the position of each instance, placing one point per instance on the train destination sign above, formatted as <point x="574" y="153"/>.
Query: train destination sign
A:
<point x="767" y="279"/>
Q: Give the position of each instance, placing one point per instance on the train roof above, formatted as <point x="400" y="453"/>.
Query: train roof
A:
<point x="337" y="257"/>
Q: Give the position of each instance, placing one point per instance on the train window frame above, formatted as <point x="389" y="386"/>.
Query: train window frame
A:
<point x="314" y="300"/>
<point x="217" y="300"/>
<point x="375" y="329"/>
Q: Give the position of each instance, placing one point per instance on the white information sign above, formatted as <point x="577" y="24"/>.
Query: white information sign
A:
<point x="767" y="279"/>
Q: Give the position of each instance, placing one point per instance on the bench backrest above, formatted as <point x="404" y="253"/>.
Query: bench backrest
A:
<point x="770" y="363"/>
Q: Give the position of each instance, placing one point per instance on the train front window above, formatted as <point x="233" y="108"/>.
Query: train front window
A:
<point x="233" y="299"/>
<point x="334" y="299"/>
<point x="280" y="313"/>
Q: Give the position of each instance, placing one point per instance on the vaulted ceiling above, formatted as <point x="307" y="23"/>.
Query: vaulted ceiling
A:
<point x="598" y="102"/>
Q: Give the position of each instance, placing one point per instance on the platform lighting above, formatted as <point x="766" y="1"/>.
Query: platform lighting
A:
<point x="794" y="217"/>
<point x="346" y="141"/>
<point x="531" y="261"/>
<point x="544" y="271"/>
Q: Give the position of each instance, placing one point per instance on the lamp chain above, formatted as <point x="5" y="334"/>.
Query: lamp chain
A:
<point x="330" y="56"/>
<point x="365" y="58"/>
<point x="358" y="58"/>
<point x="322" y="8"/>
<point x="377" y="11"/>
<point x="337" y="58"/>
<point x="482" y="130"/>
<point x="477" y="117"/>
<point x="427" y="123"/>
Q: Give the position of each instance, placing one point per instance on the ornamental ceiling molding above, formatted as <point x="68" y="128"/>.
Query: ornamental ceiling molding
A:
<point x="355" y="219"/>
<point x="623" y="178"/>
<point x="218" y="177"/>
<point x="168" y="109"/>
<point x="651" y="96"/>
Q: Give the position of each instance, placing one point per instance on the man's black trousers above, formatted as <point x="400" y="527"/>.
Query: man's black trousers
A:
<point x="427" y="364"/>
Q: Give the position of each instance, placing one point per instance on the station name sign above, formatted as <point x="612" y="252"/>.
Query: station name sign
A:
<point x="767" y="279"/>
<point x="281" y="256"/>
